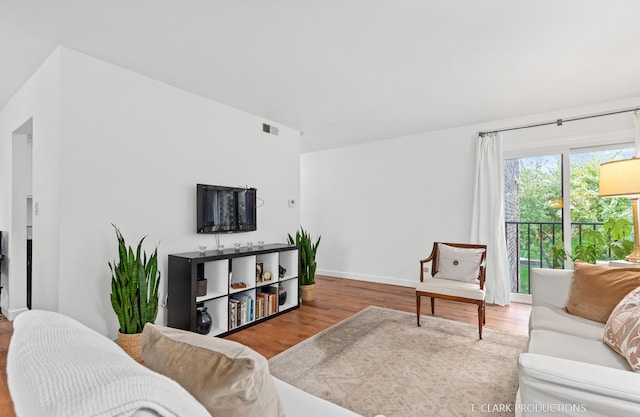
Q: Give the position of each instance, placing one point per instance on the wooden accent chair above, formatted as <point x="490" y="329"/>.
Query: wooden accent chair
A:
<point x="457" y="274"/>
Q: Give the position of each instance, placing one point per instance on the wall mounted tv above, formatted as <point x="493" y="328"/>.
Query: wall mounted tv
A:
<point x="225" y="209"/>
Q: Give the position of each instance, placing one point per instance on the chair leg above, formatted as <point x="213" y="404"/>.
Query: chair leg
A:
<point x="418" y="309"/>
<point x="480" y="319"/>
<point x="484" y="314"/>
<point x="433" y="304"/>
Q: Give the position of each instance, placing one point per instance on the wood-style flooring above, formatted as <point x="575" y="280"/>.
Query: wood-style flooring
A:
<point x="336" y="300"/>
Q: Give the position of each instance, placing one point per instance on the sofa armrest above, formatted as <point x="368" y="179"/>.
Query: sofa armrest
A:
<point x="550" y="287"/>
<point x="550" y="385"/>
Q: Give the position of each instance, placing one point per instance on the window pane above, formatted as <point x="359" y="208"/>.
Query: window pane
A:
<point x="533" y="213"/>
<point x="590" y="240"/>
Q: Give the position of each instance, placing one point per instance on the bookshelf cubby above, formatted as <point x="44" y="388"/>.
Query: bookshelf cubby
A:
<point x="222" y="269"/>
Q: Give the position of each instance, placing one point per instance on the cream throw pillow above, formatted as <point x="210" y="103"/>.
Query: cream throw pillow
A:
<point x="595" y="290"/>
<point x="460" y="264"/>
<point x="228" y="378"/>
<point x="622" y="331"/>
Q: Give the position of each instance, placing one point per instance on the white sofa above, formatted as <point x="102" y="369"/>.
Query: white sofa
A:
<point x="568" y="370"/>
<point x="59" y="367"/>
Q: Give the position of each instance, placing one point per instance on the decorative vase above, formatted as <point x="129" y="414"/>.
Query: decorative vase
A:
<point x="132" y="344"/>
<point x="203" y="320"/>
<point x="282" y="295"/>
<point x="308" y="292"/>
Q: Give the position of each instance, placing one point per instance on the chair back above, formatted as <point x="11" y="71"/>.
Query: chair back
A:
<point x="434" y="258"/>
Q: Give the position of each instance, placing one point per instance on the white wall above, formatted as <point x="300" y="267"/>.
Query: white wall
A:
<point x="132" y="152"/>
<point x="37" y="105"/>
<point x="380" y="206"/>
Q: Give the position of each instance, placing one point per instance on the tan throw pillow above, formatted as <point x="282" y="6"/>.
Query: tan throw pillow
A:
<point x="460" y="264"/>
<point x="622" y="331"/>
<point x="596" y="290"/>
<point x="228" y="378"/>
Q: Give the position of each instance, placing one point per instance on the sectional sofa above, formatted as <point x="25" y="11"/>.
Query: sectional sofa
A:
<point x="568" y="370"/>
<point x="58" y="367"/>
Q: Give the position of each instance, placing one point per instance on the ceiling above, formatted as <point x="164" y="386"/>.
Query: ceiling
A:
<point x="347" y="71"/>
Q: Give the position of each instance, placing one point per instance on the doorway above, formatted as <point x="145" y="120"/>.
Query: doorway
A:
<point x="20" y="233"/>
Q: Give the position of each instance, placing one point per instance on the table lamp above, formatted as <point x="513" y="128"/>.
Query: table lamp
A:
<point x="622" y="179"/>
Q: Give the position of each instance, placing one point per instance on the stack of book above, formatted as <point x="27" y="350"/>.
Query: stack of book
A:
<point x="241" y="311"/>
<point x="266" y="302"/>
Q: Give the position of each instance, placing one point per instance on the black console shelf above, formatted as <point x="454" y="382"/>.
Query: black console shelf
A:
<point x="225" y="271"/>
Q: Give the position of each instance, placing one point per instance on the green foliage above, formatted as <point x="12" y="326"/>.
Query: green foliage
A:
<point x="134" y="286"/>
<point x="558" y="255"/>
<point x="539" y="191"/>
<point x="586" y="204"/>
<point x="609" y="243"/>
<point x="540" y="183"/>
<point x="308" y="249"/>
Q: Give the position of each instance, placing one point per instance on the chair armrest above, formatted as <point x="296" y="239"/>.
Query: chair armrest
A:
<point x="427" y="259"/>
<point x="575" y="388"/>
<point x="550" y="287"/>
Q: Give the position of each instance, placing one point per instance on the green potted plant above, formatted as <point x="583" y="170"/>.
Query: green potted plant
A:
<point x="609" y="243"/>
<point x="308" y="249"/>
<point x="135" y="281"/>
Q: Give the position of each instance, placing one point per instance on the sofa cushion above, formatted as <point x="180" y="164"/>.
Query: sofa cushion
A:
<point x="550" y="287"/>
<point x="228" y="378"/>
<point x="622" y="331"/>
<point x="575" y="389"/>
<point x="452" y="288"/>
<point x="558" y="320"/>
<point x="596" y="290"/>
<point x="565" y="346"/>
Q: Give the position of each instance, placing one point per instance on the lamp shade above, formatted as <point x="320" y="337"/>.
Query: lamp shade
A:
<point x="620" y="178"/>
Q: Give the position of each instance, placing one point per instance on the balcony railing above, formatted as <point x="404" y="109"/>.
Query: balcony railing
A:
<point x="529" y="246"/>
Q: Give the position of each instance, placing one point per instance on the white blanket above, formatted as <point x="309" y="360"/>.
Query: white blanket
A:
<point x="56" y="366"/>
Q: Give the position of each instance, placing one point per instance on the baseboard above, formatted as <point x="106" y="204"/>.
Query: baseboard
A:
<point x="521" y="298"/>
<point x="368" y="278"/>
<point x="515" y="298"/>
<point x="12" y="314"/>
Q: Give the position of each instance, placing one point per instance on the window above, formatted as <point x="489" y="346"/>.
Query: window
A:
<point x="548" y="197"/>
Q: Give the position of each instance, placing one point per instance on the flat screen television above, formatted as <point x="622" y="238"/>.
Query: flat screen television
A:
<point x="223" y="209"/>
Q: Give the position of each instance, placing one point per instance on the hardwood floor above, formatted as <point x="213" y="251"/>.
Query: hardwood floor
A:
<point x="6" y="406"/>
<point x="336" y="300"/>
<point x="339" y="298"/>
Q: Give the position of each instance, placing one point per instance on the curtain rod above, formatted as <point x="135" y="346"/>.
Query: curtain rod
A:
<point x="559" y="122"/>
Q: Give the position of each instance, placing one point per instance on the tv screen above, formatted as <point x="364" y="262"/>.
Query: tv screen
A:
<point x="223" y="209"/>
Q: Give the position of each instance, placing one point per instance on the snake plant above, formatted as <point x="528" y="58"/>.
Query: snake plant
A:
<point x="308" y="249"/>
<point x="134" y="286"/>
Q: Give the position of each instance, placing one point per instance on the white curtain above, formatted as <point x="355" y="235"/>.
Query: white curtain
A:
<point x="487" y="224"/>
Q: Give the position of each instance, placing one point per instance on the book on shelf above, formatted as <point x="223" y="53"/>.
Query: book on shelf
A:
<point x="260" y="302"/>
<point x="243" y="306"/>
<point x="233" y="313"/>
<point x="269" y="303"/>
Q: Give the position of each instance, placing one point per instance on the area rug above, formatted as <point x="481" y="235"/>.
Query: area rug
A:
<point x="379" y="362"/>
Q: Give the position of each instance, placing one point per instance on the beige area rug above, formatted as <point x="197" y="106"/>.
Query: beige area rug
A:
<point x="379" y="362"/>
